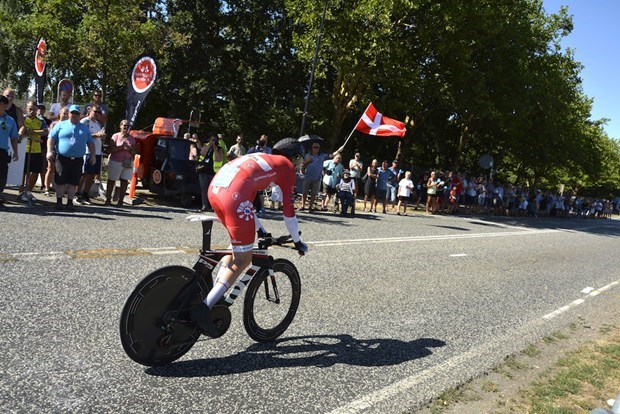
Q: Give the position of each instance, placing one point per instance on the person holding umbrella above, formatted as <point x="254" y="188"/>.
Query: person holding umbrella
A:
<point x="312" y="168"/>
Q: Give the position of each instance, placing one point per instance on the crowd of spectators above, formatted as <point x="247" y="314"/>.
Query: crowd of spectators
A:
<point x="65" y="148"/>
<point x="324" y="178"/>
<point x="443" y="192"/>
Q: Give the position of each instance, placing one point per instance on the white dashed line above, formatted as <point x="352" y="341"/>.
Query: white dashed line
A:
<point x="429" y="238"/>
<point x="589" y="291"/>
<point x="458" y="255"/>
<point x="412" y="382"/>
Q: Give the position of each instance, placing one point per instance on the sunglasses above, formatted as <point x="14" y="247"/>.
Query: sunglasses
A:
<point x="97" y="95"/>
<point x="97" y="112"/>
<point x="125" y="126"/>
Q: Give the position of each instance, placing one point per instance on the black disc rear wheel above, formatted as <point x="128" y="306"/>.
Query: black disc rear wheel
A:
<point x="155" y="327"/>
<point x="272" y="301"/>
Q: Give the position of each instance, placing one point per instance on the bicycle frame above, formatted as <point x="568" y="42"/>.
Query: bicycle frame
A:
<point x="208" y="260"/>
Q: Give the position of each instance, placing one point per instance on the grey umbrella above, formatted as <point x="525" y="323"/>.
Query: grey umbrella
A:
<point x="308" y="140"/>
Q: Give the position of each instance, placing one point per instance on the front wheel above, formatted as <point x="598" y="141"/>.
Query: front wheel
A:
<point x="155" y="327"/>
<point x="271" y="301"/>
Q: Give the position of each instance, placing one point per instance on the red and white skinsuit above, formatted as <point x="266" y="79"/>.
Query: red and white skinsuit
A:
<point x="234" y="187"/>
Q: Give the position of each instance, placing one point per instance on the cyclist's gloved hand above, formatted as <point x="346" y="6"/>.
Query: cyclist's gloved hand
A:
<point x="301" y="247"/>
<point x="262" y="234"/>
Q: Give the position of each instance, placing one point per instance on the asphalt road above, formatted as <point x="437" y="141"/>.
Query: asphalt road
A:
<point x="394" y="310"/>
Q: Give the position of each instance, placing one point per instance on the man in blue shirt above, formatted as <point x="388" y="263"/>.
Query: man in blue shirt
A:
<point x="68" y="140"/>
<point x="313" y="168"/>
<point x="261" y="146"/>
<point x="392" y="185"/>
<point x="383" y="176"/>
<point x="8" y="136"/>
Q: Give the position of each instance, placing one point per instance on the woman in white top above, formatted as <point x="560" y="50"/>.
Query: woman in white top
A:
<point x="404" y="192"/>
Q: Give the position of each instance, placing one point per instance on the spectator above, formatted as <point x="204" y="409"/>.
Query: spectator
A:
<point x="237" y="150"/>
<point x="404" y="192"/>
<point x="383" y="176"/>
<point x="48" y="122"/>
<point x="97" y="101"/>
<point x="91" y="169"/>
<point x="443" y="190"/>
<point x="64" y="100"/>
<point x="34" y="129"/>
<point x="70" y="138"/>
<point x="120" y="165"/>
<point x="187" y="136"/>
<point x="333" y="173"/>
<point x="13" y="110"/>
<point x="41" y="114"/>
<point x="421" y="187"/>
<point x="470" y="194"/>
<point x="209" y="153"/>
<point x="218" y="164"/>
<point x="454" y="197"/>
<point x="346" y="191"/>
<point x="523" y="206"/>
<point x="431" y="192"/>
<point x="8" y="137"/>
<point x="194" y="148"/>
<point x="311" y="168"/>
<point x="498" y="199"/>
<point x="261" y="146"/>
<point x="356" y="167"/>
<point x="392" y="184"/>
<point x="51" y="167"/>
<point x="370" y="186"/>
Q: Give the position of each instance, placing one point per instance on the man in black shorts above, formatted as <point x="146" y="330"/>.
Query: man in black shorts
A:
<point x="68" y="140"/>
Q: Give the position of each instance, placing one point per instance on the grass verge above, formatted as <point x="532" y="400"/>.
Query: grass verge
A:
<point x="564" y="373"/>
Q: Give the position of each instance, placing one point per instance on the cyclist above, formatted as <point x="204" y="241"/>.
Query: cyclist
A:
<point x="231" y="193"/>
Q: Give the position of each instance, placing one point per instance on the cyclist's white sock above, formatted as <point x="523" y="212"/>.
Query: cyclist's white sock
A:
<point x="216" y="293"/>
<point x="292" y="227"/>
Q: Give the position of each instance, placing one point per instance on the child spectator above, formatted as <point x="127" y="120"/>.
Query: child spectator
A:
<point x="404" y="192"/>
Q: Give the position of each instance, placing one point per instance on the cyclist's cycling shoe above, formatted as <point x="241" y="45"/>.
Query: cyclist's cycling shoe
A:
<point x="263" y="234"/>
<point x="201" y="314"/>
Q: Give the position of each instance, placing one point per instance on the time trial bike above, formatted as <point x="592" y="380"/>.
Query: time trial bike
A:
<point x="155" y="326"/>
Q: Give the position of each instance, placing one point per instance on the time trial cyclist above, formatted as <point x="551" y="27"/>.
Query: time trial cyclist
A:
<point x="230" y="194"/>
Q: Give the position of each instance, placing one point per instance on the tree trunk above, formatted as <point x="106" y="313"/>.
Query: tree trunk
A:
<point x="344" y="95"/>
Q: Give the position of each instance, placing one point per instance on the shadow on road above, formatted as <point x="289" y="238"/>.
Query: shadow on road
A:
<point x="305" y="351"/>
<point x="452" y="227"/>
<point x="46" y="208"/>
<point x="603" y="227"/>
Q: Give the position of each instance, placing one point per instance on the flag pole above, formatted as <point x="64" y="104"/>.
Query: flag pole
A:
<point x="358" y="121"/>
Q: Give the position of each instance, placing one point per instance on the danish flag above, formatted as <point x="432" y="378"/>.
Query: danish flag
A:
<point x="373" y="122"/>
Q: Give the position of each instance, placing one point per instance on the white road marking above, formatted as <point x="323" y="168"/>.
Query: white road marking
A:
<point x="33" y="256"/>
<point x="446" y="368"/>
<point x="458" y="255"/>
<point x="325" y="243"/>
<point x="590" y="291"/>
